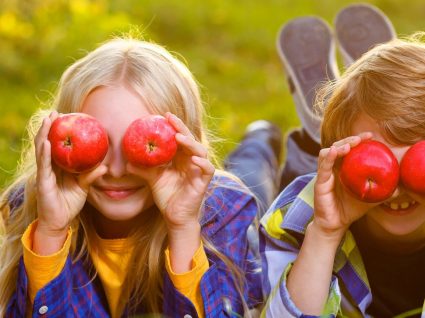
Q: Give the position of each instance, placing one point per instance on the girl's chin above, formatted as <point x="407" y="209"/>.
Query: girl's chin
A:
<point x="127" y="207"/>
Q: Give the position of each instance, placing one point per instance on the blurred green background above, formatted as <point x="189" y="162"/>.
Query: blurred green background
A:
<point x="228" y="45"/>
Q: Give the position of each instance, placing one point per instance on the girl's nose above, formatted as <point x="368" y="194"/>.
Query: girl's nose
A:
<point x="116" y="162"/>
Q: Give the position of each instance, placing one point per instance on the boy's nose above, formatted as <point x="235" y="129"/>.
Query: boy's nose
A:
<point x="398" y="191"/>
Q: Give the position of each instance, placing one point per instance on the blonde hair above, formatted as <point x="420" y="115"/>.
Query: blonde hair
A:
<point x="165" y="84"/>
<point x="388" y="84"/>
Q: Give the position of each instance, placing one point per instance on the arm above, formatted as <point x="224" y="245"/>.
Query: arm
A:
<point x="334" y="211"/>
<point x="178" y="190"/>
<point x="313" y="268"/>
<point x="228" y="234"/>
<point x="227" y="215"/>
<point x="189" y="283"/>
<point x="42" y="269"/>
<point x="308" y="277"/>
<point x="279" y="249"/>
<point x="60" y="195"/>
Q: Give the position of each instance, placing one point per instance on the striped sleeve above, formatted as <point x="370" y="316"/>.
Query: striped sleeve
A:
<point x="279" y="247"/>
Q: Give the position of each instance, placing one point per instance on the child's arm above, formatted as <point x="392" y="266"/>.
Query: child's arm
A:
<point x="178" y="190"/>
<point x="60" y="195"/>
<point x="41" y="269"/>
<point x="334" y="211"/>
<point x="228" y="213"/>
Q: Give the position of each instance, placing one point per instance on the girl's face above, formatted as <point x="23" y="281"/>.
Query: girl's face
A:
<point x="403" y="214"/>
<point x="117" y="195"/>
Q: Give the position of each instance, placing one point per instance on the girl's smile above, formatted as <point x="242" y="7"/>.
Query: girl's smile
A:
<point x="118" y="193"/>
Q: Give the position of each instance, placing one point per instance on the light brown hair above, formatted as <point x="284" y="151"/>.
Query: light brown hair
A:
<point x="388" y="84"/>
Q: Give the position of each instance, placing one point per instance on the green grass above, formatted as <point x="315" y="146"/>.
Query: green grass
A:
<point x="228" y="45"/>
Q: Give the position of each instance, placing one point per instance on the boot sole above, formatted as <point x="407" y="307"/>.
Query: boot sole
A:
<point x="360" y="27"/>
<point x="307" y="50"/>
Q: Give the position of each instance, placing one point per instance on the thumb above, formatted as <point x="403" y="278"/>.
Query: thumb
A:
<point x="86" y="179"/>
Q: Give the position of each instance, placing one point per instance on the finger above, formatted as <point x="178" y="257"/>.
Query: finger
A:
<point x="44" y="167"/>
<point x="366" y="135"/>
<point x="205" y="165"/>
<point x="325" y="170"/>
<point x="178" y="124"/>
<point x="191" y="146"/>
<point x="86" y="179"/>
<point x="54" y="115"/>
<point x="352" y="141"/>
<point x="42" y="136"/>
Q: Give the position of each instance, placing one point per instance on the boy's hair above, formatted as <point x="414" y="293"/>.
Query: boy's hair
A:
<point x="165" y="84"/>
<point x="388" y="84"/>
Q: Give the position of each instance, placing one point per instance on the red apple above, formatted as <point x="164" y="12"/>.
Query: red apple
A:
<point x="150" y="141"/>
<point x="370" y="171"/>
<point x="412" y="168"/>
<point x="79" y="142"/>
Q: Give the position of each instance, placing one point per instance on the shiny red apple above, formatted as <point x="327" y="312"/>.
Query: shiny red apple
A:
<point x="412" y="168"/>
<point x="370" y="171"/>
<point x="150" y="141"/>
<point x="78" y="142"/>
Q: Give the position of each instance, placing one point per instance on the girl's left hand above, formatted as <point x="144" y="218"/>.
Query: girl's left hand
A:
<point x="178" y="188"/>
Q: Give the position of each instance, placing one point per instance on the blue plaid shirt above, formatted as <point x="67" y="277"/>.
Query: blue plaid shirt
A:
<point x="227" y="213"/>
<point x="282" y="231"/>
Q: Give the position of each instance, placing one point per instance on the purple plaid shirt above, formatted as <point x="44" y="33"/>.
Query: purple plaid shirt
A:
<point x="227" y="213"/>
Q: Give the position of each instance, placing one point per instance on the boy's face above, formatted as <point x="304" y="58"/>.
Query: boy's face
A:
<point x="402" y="216"/>
<point x="118" y="196"/>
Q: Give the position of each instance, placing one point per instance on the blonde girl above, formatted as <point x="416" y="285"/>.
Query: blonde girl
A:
<point x="123" y="240"/>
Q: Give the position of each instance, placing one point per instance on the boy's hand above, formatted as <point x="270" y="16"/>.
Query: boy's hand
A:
<point x="334" y="209"/>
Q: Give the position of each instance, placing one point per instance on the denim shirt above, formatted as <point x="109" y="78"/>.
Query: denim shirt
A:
<point x="227" y="212"/>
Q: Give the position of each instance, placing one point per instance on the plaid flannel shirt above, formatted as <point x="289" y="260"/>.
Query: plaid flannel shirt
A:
<point x="282" y="231"/>
<point x="227" y="213"/>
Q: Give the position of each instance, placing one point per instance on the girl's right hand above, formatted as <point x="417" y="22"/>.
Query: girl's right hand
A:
<point x="335" y="209"/>
<point x="60" y="195"/>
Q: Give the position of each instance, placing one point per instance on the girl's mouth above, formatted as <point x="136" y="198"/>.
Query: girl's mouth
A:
<point x="118" y="193"/>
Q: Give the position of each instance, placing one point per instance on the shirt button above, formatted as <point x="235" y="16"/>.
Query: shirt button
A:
<point x="187" y="316"/>
<point x="227" y="305"/>
<point x="43" y="310"/>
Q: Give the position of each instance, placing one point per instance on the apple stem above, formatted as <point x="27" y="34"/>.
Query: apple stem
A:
<point x="67" y="142"/>
<point x="151" y="146"/>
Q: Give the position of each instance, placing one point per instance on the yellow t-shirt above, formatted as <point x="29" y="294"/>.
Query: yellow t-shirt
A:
<point x="111" y="262"/>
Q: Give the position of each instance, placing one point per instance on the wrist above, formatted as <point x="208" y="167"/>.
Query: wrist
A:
<point x="330" y="238"/>
<point x="48" y="230"/>
<point x="183" y="242"/>
<point x="47" y="242"/>
<point x="184" y="232"/>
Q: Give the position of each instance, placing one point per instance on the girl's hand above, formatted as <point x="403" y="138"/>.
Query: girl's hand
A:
<point x="335" y="209"/>
<point x="178" y="188"/>
<point x="60" y="195"/>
